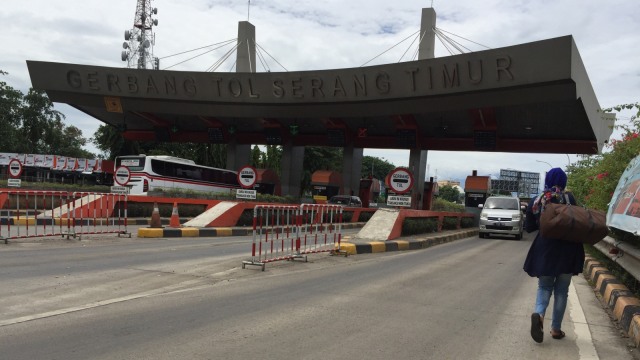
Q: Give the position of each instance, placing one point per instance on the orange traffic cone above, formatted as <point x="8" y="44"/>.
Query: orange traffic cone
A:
<point x="155" y="217"/>
<point x="175" y="218"/>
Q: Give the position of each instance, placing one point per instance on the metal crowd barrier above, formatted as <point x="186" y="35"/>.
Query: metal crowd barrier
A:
<point x="282" y="232"/>
<point x="320" y="228"/>
<point x="35" y="214"/>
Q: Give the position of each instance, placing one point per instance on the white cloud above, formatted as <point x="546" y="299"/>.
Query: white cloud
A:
<point x="310" y="35"/>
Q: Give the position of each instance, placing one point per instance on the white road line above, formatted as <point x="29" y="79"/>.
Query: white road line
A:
<point x="186" y="285"/>
<point x="586" y="349"/>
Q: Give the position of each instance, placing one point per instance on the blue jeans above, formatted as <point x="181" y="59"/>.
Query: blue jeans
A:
<point x="559" y="286"/>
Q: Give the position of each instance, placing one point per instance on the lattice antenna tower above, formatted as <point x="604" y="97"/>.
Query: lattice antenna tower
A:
<point x="138" y="47"/>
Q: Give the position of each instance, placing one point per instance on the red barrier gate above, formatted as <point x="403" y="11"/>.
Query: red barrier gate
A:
<point x="292" y="232"/>
<point x="33" y="214"/>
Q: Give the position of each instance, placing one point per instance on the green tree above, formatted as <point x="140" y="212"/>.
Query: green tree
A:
<point x="377" y="167"/>
<point x="593" y="179"/>
<point x="449" y="193"/>
<point x="30" y="124"/>
<point x="256" y="157"/>
<point x="272" y="158"/>
<point x="109" y="140"/>
<point x="10" y="116"/>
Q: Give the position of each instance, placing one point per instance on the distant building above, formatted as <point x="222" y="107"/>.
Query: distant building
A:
<point x="451" y="183"/>
<point x="525" y="184"/>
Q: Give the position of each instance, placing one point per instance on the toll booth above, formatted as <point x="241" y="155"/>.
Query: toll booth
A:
<point x="431" y="189"/>
<point x="325" y="184"/>
<point x="267" y="182"/>
<point x="369" y="191"/>
<point x="476" y="189"/>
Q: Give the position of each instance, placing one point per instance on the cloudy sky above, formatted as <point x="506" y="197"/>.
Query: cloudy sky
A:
<point x="311" y="34"/>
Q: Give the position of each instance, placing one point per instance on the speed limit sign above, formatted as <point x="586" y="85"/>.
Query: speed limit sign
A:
<point x="15" y="168"/>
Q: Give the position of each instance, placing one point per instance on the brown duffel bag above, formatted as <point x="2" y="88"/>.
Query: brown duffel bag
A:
<point x="573" y="223"/>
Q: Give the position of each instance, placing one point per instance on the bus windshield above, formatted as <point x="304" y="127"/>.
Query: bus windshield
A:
<point x="133" y="163"/>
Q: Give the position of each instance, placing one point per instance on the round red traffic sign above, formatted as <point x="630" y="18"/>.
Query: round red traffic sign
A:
<point x="15" y="168"/>
<point x="122" y="175"/>
<point x="400" y="180"/>
<point x="247" y="177"/>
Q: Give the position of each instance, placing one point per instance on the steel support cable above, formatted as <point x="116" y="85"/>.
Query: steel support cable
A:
<point x="226" y="42"/>
<point x="446" y="39"/>
<point x="401" y="41"/>
<point x="233" y="65"/>
<point x="223" y="58"/>
<point x="444" y="43"/>
<point x="438" y="29"/>
<point x="251" y="69"/>
<point x="417" y="52"/>
<point x="274" y="59"/>
<point x="220" y="61"/>
<point x="262" y="59"/>
<point x="454" y="43"/>
<point x="409" y="47"/>
<point x="204" y="53"/>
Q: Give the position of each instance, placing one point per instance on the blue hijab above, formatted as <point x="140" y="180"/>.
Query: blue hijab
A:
<point x="554" y="184"/>
<point x="555" y="177"/>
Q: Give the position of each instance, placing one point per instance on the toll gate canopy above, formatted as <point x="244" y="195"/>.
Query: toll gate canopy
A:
<point x="534" y="97"/>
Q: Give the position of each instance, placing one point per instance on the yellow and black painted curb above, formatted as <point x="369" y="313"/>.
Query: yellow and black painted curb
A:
<point x="167" y="232"/>
<point x="399" y="245"/>
<point x="624" y="305"/>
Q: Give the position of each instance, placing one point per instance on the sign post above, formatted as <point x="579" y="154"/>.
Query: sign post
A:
<point x="15" y="170"/>
<point x="400" y="181"/>
<point x="122" y="175"/>
<point x="247" y="177"/>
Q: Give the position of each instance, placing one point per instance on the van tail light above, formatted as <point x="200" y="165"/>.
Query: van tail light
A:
<point x="145" y="186"/>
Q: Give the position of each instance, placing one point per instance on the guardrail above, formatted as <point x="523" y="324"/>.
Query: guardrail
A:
<point x="282" y="232"/>
<point x="624" y="254"/>
<point x="34" y="214"/>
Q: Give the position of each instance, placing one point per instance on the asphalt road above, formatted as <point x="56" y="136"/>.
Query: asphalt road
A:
<point x="109" y="298"/>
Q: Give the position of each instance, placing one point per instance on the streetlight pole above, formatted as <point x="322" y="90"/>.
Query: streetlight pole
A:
<point x="540" y="161"/>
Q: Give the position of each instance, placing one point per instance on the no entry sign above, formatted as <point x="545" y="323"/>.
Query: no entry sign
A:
<point x="247" y="177"/>
<point x="400" y="180"/>
<point x="122" y="175"/>
<point x="15" y="168"/>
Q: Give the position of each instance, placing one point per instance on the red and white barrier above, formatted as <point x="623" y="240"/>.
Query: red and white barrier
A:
<point x="33" y="214"/>
<point x="283" y="232"/>
<point x="320" y="228"/>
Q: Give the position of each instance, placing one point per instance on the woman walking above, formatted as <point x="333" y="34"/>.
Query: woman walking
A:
<point x="552" y="261"/>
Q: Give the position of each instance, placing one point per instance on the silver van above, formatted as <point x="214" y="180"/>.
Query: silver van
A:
<point x="501" y="215"/>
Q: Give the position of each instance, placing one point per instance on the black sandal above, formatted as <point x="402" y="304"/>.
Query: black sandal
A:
<point x="557" y="336"/>
<point x="536" y="328"/>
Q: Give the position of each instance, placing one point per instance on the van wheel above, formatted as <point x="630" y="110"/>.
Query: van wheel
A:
<point x="519" y="236"/>
<point x="481" y="235"/>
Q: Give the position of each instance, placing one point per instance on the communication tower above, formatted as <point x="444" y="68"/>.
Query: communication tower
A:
<point x="138" y="47"/>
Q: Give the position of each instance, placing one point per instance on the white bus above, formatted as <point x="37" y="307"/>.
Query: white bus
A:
<point x="167" y="172"/>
